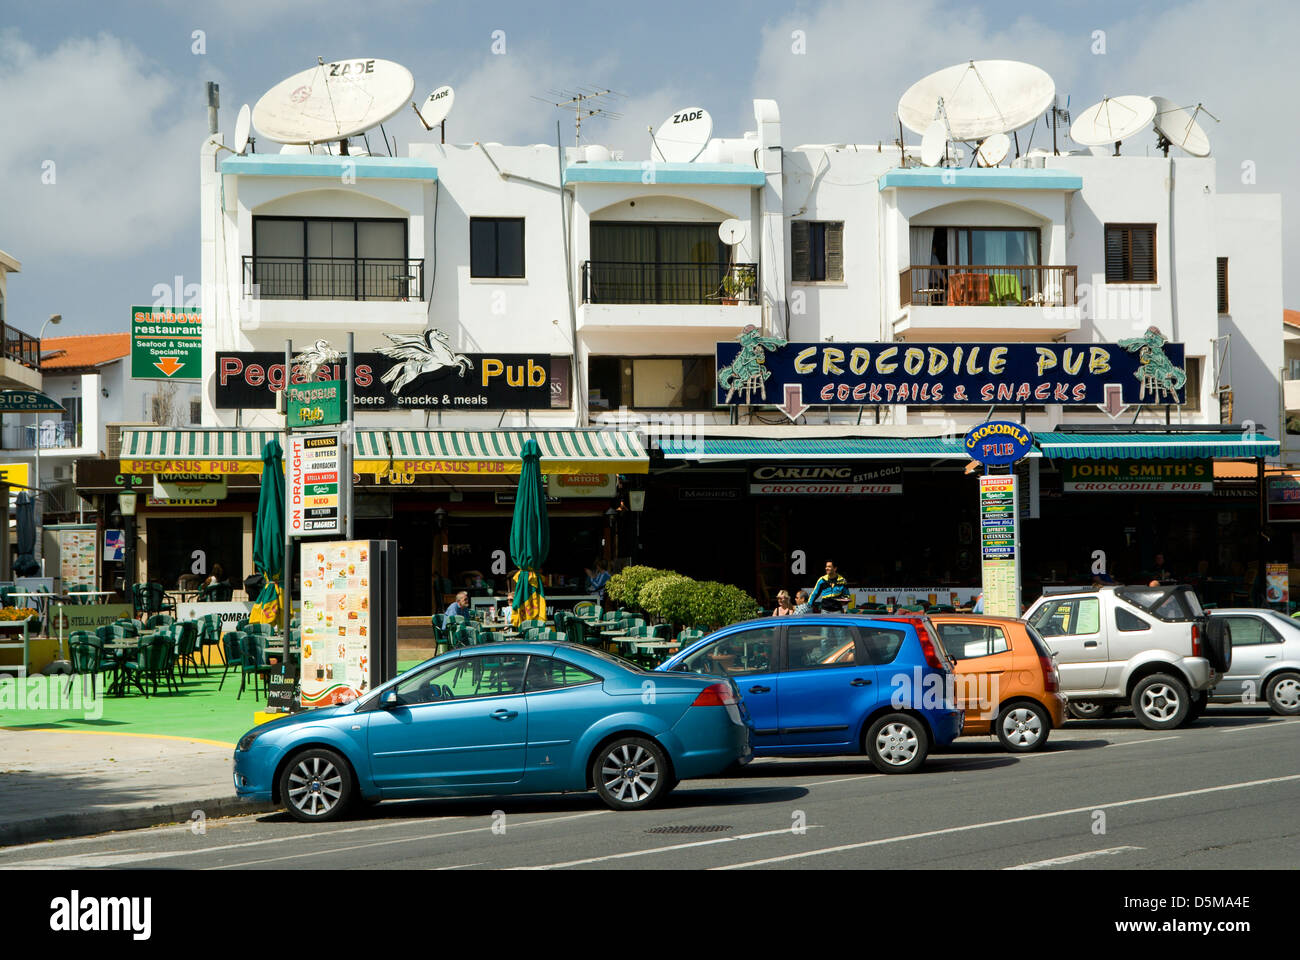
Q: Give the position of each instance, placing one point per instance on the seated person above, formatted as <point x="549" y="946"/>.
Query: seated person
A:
<point x="460" y="606"/>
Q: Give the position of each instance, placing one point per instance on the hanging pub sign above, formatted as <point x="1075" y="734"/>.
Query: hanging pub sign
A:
<point x="998" y="442"/>
<point x="769" y="371"/>
<point x="1138" y="476"/>
<point x="776" y="479"/>
<point x="316" y="404"/>
<point x="411" y="376"/>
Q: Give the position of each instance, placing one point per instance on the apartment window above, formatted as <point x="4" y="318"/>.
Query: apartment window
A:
<point x="1223" y="284"/>
<point x="816" y="250"/>
<point x="1130" y="253"/>
<point x="321" y="258"/>
<point x="196" y="411"/>
<point x="70" y="425"/>
<point x="651" y="383"/>
<point x="655" y="263"/>
<point x="1194" y="366"/>
<point x="496" y="247"/>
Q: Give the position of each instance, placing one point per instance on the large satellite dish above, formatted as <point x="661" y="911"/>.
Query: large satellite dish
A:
<point x="242" y="122"/>
<point x="683" y="136"/>
<point x="436" y="106"/>
<point x="1180" y="128"/>
<point x="934" y="143"/>
<point x="1112" y="120"/>
<point x="732" y="231"/>
<point x="993" y="150"/>
<point x="333" y="101"/>
<point x="978" y="98"/>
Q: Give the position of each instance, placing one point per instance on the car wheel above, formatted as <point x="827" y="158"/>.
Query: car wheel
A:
<point x="1089" y="709"/>
<point x="631" y="773"/>
<point x="1023" y="726"/>
<point x="1161" y="702"/>
<point x="897" y="743"/>
<point x="1283" y="694"/>
<point x="316" y="785"/>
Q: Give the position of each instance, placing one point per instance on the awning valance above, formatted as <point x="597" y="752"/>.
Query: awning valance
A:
<point x="1063" y="445"/>
<point x="499" y="451"/>
<point x="809" y="448"/>
<point x="198" y="451"/>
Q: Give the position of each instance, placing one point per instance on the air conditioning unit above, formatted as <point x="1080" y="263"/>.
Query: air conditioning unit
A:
<point x="62" y="473"/>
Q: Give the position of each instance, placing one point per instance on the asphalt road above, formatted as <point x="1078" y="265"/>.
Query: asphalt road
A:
<point x="1105" y="794"/>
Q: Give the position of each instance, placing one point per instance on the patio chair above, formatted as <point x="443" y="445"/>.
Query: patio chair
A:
<point x="221" y="592"/>
<point x="150" y="598"/>
<point x="255" y="662"/>
<point x="689" y="636"/>
<point x="88" y="657"/>
<point x="209" y="634"/>
<point x="131" y="627"/>
<point x="156" y="661"/>
<point x="187" y="645"/>
<point x="586" y="608"/>
<point x="233" y="649"/>
<point x="159" y="620"/>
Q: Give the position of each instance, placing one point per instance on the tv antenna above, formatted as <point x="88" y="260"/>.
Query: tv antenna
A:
<point x="1059" y="115"/>
<point x="585" y="102"/>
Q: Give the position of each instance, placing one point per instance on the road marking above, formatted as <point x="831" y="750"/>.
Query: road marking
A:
<point x="1133" y="743"/>
<point x="1072" y="858"/>
<point x="822" y="783"/>
<point x="115" y="733"/>
<point x="1254" y="726"/>
<point x="1001" y="823"/>
<point x="460" y="866"/>
<point x="653" y="850"/>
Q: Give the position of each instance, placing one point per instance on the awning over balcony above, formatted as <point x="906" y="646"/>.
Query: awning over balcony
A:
<point x="634" y="171"/>
<point x="498" y="452"/>
<point x="331" y="167"/>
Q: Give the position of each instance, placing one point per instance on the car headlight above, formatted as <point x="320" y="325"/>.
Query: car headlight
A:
<point x="246" y="741"/>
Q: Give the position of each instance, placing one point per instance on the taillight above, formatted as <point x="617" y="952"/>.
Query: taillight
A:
<point x="1050" y="682"/>
<point x="716" y="695"/>
<point x="1196" y="641"/>
<point x="931" y="655"/>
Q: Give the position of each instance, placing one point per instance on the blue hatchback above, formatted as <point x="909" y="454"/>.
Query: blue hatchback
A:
<point x="498" y="719"/>
<point x="827" y="684"/>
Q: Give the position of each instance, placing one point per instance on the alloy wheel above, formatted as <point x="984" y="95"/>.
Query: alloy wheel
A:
<point x="1022" y="726"/>
<point x="897" y="743"/>
<point x="315" y="786"/>
<point x="630" y="773"/>
<point x="1160" y="701"/>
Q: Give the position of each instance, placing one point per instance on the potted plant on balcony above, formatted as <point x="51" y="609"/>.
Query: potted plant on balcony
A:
<point x="738" y="281"/>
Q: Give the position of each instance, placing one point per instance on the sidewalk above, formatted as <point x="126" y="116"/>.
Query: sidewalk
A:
<point x="56" y="784"/>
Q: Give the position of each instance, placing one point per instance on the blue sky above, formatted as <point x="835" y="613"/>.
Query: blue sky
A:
<point x="111" y="94"/>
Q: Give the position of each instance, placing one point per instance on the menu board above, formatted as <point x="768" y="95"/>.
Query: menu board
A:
<point x="336" y="621"/>
<point x="76" y="555"/>
<point x="999" y="543"/>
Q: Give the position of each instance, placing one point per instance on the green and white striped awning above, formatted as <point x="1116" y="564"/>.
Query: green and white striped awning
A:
<point x="160" y="450"/>
<point x="499" y="451"/>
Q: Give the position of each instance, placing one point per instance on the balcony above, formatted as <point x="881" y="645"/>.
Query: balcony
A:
<point x="322" y="293"/>
<point x="20" y="359"/>
<point x="52" y="434"/>
<point x="713" y="299"/>
<point x="987" y="302"/>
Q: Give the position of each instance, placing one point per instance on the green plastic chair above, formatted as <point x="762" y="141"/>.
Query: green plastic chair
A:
<point x="88" y="657"/>
<point x="187" y="645"/>
<point x="156" y="661"/>
<point x="255" y="663"/>
<point x="585" y="608"/>
<point x="233" y="648"/>
<point x="209" y="634"/>
<point x="159" y="620"/>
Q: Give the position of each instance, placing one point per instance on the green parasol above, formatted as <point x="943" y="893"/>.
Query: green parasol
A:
<point x="530" y="538"/>
<point x="268" y="540"/>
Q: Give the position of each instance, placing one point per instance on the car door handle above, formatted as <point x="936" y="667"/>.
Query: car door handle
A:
<point x="1090" y="643"/>
<point x="859" y="682"/>
<point x="757" y="688"/>
<point x="504" y="714"/>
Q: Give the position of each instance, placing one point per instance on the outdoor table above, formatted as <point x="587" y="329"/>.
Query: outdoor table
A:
<point x="91" y="593"/>
<point x="22" y="644"/>
<point x="119" y="649"/>
<point x="613" y="633"/>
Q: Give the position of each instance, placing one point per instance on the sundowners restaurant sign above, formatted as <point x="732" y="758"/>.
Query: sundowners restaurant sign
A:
<point x="1138" y="476"/>
<point x="764" y="372"/>
<point x="816" y="480"/>
<point x="473" y="381"/>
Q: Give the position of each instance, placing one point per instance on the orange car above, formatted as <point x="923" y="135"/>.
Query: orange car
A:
<point x="1006" y="677"/>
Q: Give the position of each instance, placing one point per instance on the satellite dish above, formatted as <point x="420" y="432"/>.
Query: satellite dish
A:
<point x="1112" y="120"/>
<point x="437" y="105"/>
<point x="333" y="101"/>
<point x="241" y="128"/>
<point x="682" y="137"/>
<point x="295" y="148"/>
<point x="1180" y="128"/>
<point x="934" y="143"/>
<point x="993" y="150"/>
<point x="732" y="231"/>
<point x="978" y="98"/>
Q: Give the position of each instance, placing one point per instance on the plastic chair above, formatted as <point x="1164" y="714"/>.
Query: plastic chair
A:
<point x="586" y="608"/>
<point x="209" y="634"/>
<point x="88" y="657"/>
<point x="221" y="592"/>
<point x="187" y="645"/>
<point x="255" y="662"/>
<point x="159" y="620"/>
<point x="156" y="661"/>
<point x="233" y="648"/>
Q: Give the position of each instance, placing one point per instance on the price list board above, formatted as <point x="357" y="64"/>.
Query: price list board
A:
<point x="1000" y="545"/>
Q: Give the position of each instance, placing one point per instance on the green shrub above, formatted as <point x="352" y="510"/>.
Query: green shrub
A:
<point x="625" y="586"/>
<point x="667" y="597"/>
<point x="717" y="605"/>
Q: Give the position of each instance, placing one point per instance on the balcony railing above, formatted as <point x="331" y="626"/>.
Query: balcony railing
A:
<point x="988" y="286"/>
<point x="334" y="278"/>
<point x="616" y="281"/>
<point x="20" y="347"/>
<point x="53" y="435"/>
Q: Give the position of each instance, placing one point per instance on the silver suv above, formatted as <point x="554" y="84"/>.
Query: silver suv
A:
<point x="1152" y="648"/>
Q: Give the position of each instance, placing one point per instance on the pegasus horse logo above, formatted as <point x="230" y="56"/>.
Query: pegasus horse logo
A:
<point x="420" y="355"/>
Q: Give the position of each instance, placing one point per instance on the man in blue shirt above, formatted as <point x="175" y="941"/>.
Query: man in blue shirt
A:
<point x="460" y="606"/>
<point x="831" y="592"/>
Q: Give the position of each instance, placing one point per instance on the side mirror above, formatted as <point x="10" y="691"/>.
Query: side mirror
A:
<point x="389" y="699"/>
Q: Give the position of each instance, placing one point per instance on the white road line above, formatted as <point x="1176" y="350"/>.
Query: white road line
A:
<point x="653" y="850"/>
<point x="822" y="783"/>
<point x="1255" y="726"/>
<point x="1001" y="823"/>
<point x="1072" y="858"/>
<point x="1134" y="743"/>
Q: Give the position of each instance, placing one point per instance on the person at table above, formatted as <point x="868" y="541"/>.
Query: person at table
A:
<point x="831" y="591"/>
<point x="460" y="606"/>
<point x="218" y="576"/>
<point x="801" y="604"/>
<point x="596" y="580"/>
<point x="784" y="608"/>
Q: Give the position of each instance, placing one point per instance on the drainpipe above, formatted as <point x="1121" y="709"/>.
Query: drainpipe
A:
<point x="575" y="372"/>
<point x="1173" y="287"/>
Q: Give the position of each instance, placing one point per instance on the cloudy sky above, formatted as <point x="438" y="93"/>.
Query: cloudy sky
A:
<point x="106" y="98"/>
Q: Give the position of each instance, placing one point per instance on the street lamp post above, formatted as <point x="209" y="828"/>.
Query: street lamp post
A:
<point x="55" y="318"/>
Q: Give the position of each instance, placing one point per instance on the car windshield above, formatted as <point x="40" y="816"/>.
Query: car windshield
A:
<point x="1176" y="603"/>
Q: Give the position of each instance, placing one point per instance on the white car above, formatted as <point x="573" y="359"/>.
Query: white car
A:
<point x="1265" y="660"/>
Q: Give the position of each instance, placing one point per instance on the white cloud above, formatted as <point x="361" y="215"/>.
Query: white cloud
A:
<point x="119" y="139"/>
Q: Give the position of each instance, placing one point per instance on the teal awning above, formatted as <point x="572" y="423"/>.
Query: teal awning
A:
<point x="1151" y="445"/>
<point x="807" y="448"/>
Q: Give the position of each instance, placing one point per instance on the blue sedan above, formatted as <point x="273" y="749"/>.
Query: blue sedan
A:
<point x="500" y="719"/>
<point x="828" y="684"/>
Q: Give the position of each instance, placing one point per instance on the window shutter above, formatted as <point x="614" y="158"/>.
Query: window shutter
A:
<point x="1223" y="284"/>
<point x="835" y="251"/>
<point x="1142" y="253"/>
<point x="799" y="250"/>
<point x="1116" y="271"/>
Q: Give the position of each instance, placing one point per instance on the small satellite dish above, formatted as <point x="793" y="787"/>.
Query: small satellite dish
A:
<point x="682" y="137"/>
<point x="1112" y="120"/>
<point x="934" y="144"/>
<point x="333" y="101"/>
<point x="979" y="98"/>
<point x="1180" y="128"/>
<point x="993" y="150"/>
<point x="732" y="231"/>
<point x="437" y="105"/>
<point x="242" y="123"/>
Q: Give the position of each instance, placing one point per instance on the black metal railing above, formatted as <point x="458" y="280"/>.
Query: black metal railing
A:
<point x="334" y="278"/>
<point x="615" y="281"/>
<point x="20" y="347"/>
<point x="1015" y="285"/>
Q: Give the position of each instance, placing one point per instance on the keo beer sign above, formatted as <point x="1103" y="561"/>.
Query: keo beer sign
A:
<point x="998" y="442"/>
